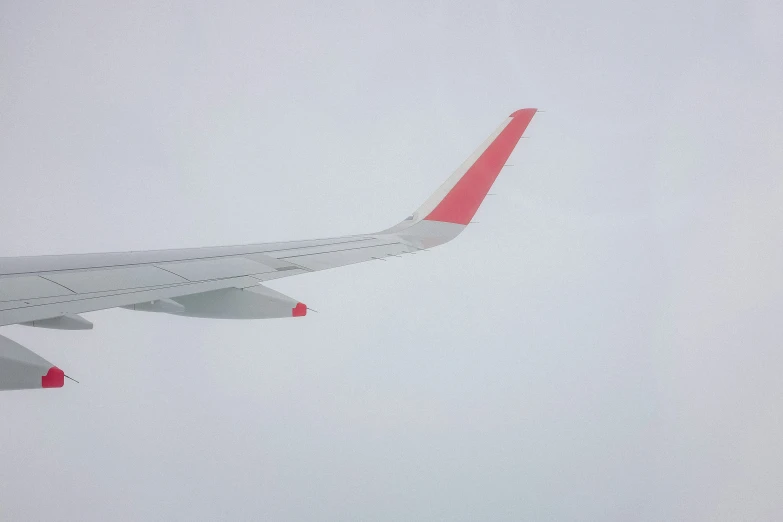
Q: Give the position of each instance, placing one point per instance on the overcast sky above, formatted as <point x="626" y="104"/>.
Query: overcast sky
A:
<point x="604" y="345"/>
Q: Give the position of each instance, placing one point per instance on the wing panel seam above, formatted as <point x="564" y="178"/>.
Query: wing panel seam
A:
<point x="153" y="263"/>
<point x="55" y="282"/>
<point x="342" y="250"/>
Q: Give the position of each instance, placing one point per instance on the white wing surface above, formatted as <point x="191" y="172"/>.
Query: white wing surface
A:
<point x="222" y="282"/>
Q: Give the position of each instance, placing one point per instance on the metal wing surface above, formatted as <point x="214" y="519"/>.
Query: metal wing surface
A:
<point x="223" y="282"/>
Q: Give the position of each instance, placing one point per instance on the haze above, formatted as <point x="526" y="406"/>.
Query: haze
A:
<point x="603" y="345"/>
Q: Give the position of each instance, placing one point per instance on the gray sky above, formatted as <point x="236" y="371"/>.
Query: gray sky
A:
<point x="603" y="345"/>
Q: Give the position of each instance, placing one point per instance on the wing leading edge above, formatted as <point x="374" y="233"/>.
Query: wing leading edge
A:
<point x="223" y="282"/>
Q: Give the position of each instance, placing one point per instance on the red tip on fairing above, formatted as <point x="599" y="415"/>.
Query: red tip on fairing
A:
<point x="300" y="310"/>
<point x="54" y="378"/>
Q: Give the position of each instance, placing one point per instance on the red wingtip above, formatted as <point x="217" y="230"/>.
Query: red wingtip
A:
<point x="300" y="310"/>
<point x="523" y="112"/>
<point x="54" y="378"/>
<point x="461" y="203"/>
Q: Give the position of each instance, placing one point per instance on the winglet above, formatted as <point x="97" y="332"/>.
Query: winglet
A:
<point x="476" y="176"/>
<point x="453" y="205"/>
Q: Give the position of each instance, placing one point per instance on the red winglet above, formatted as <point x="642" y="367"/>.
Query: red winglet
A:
<point x="54" y="378"/>
<point x="461" y="203"/>
<point x="300" y="310"/>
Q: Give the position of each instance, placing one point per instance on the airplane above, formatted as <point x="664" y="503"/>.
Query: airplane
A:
<point x="222" y="282"/>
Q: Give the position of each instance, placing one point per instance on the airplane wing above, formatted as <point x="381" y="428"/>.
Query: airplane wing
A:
<point x="222" y="282"/>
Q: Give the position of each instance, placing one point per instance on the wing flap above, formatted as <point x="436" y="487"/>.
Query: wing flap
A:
<point x="348" y="256"/>
<point x="207" y="269"/>
<point x="29" y="287"/>
<point x="33" y="265"/>
<point x="21" y="313"/>
<point x="104" y="280"/>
